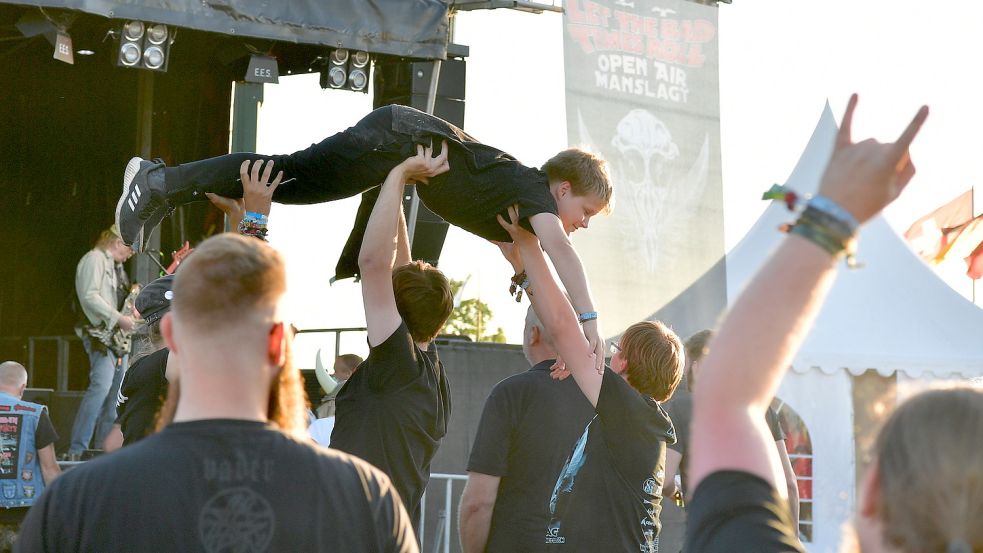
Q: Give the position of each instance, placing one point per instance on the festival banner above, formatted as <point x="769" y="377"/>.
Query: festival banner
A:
<point x="642" y="91"/>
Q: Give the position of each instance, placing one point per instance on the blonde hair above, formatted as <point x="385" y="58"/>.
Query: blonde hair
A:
<point x="930" y="464"/>
<point x="654" y="359"/>
<point x="106" y="239"/>
<point x="587" y="173"/>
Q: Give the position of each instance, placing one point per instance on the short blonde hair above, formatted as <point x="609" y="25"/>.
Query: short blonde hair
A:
<point x="227" y="278"/>
<point x="586" y="172"/>
<point x="654" y="359"/>
<point x="930" y="465"/>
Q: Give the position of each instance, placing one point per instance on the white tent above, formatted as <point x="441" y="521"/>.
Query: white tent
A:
<point x="894" y="315"/>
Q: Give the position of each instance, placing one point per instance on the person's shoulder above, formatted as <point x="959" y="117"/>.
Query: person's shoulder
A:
<point x="95" y="255"/>
<point x="354" y="470"/>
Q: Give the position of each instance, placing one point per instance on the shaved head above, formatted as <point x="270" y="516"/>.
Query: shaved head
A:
<point x="13" y="377"/>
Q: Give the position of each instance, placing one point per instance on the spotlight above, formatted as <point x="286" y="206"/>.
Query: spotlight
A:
<point x="157" y="34"/>
<point x="339" y="56"/>
<point x="129" y="54"/>
<point x="358" y="80"/>
<point x="360" y="58"/>
<point x="153" y="57"/>
<point x="346" y="69"/>
<point x="144" y="45"/>
<point x="133" y="30"/>
<point x="337" y="77"/>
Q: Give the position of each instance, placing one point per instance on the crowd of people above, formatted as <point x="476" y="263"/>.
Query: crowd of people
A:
<point x="211" y="448"/>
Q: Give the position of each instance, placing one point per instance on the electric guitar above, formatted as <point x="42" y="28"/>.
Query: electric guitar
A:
<point x="116" y="339"/>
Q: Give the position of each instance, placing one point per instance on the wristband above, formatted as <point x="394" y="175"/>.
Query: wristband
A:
<point x="258" y="217"/>
<point x="588" y="316"/>
<point x="835" y="211"/>
<point x="826" y="239"/>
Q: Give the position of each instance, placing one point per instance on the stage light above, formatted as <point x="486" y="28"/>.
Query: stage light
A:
<point x="339" y="56"/>
<point x="358" y="80"/>
<point x="144" y="45"/>
<point x="337" y="77"/>
<point x="129" y="54"/>
<point x="345" y="69"/>
<point x="157" y="34"/>
<point x="133" y="30"/>
<point x="360" y="58"/>
<point x="153" y="57"/>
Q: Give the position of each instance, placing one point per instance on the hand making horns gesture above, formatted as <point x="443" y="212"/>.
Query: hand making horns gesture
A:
<point x="866" y="176"/>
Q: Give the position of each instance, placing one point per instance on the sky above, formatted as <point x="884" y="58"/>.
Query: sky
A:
<point x="780" y="61"/>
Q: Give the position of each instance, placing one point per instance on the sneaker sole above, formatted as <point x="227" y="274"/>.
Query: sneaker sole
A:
<point x="132" y="168"/>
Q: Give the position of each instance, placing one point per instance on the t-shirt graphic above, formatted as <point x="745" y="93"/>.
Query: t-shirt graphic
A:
<point x="565" y="485"/>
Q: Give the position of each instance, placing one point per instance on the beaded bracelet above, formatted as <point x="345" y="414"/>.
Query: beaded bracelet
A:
<point x="252" y="227"/>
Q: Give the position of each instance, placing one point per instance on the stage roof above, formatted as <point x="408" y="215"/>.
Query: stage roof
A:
<point x="409" y="28"/>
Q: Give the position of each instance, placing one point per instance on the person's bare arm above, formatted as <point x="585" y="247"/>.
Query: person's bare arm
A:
<point x="477" y="505"/>
<point x="555" y="311"/>
<point x="113" y="440"/>
<point x="673" y="460"/>
<point x="403" y="255"/>
<point x="49" y="464"/>
<point x="772" y="317"/>
<point x="569" y="268"/>
<point x="379" y="244"/>
<point x="791" y="484"/>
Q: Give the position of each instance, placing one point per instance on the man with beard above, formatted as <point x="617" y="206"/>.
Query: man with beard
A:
<point x="233" y="471"/>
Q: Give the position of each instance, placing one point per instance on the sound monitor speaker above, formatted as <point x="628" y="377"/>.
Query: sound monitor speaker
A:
<point x="399" y="81"/>
<point x="62" y="409"/>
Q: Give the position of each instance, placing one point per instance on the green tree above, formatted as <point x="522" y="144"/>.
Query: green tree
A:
<point x="471" y="318"/>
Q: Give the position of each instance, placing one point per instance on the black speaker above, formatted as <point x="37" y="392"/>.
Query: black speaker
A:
<point x="62" y="408"/>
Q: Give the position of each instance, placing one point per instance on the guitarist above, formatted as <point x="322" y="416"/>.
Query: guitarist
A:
<point x="102" y="286"/>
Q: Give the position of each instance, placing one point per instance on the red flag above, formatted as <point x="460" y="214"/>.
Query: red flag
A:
<point x="932" y="235"/>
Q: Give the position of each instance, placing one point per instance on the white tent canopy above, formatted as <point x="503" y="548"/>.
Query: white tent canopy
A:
<point x="894" y="314"/>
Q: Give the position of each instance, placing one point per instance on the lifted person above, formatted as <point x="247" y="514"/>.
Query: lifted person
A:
<point x="570" y="189"/>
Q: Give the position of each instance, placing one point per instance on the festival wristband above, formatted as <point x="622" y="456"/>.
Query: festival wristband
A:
<point x="588" y="316"/>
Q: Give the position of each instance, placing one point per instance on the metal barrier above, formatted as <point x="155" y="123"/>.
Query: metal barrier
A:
<point x="446" y="519"/>
<point x="337" y="335"/>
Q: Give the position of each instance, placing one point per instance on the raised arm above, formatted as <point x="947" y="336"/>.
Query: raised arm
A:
<point x="380" y="243"/>
<point x="569" y="268"/>
<point x="403" y="255"/>
<point x="769" y="321"/>
<point x="555" y="311"/>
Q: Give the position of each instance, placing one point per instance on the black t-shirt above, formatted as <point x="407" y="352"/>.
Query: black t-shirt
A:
<point x="609" y="494"/>
<point x="680" y="410"/>
<point x="393" y="412"/>
<point x="736" y="511"/>
<point x="527" y="430"/>
<point x="141" y="395"/>
<point x="44" y="434"/>
<point x="483" y="180"/>
<point x="219" y="485"/>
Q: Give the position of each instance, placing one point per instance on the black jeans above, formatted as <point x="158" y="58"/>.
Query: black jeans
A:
<point x="340" y="166"/>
